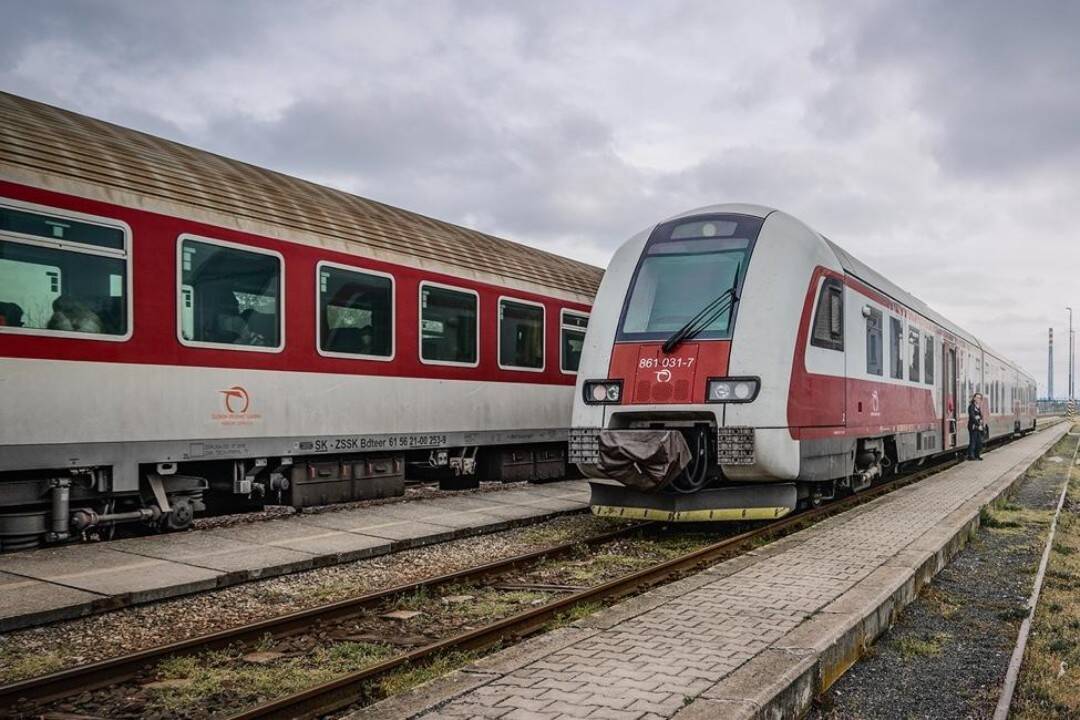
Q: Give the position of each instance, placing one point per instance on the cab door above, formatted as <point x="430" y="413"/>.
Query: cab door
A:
<point x="949" y="397"/>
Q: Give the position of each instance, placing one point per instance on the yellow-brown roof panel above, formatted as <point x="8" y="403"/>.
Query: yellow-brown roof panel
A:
<point x="47" y="139"/>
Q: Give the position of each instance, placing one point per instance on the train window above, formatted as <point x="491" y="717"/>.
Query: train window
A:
<point x="688" y="268"/>
<point x="571" y="340"/>
<point x="356" y="312"/>
<point x="928" y="361"/>
<point x="828" y="329"/>
<point x="913" y="368"/>
<point x="896" y="348"/>
<point x="448" y="325"/>
<point x="874" y="352"/>
<point x="521" y="335"/>
<point x="230" y="295"/>
<point x="63" y="274"/>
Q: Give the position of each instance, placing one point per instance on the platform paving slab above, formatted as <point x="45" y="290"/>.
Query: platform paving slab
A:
<point x="324" y="546"/>
<point x="51" y="584"/>
<point x="105" y="571"/>
<point x="400" y="531"/>
<point x="247" y="560"/>
<point x="28" y="595"/>
<point x="755" y="637"/>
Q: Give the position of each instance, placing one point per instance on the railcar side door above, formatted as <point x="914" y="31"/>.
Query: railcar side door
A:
<point x="949" y="397"/>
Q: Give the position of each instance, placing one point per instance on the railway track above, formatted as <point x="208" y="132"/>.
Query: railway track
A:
<point x="361" y="686"/>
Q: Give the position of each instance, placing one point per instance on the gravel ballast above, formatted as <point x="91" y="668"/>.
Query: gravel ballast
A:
<point x="947" y="655"/>
<point x="36" y="651"/>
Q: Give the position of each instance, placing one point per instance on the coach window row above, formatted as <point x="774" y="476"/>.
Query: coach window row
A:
<point x="922" y="345"/>
<point x="68" y="274"/>
<point x="231" y="296"/>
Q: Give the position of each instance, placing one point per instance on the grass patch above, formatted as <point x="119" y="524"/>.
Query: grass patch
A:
<point x="407" y="678"/>
<point x="577" y="612"/>
<point x="221" y="679"/>
<point x="1019" y="612"/>
<point x="941" y="602"/>
<point x="990" y="518"/>
<point x="911" y="646"/>
<point x="413" y="601"/>
<point x="18" y="664"/>
<point x="487" y="605"/>
<point x="332" y="589"/>
<point x="593" y="570"/>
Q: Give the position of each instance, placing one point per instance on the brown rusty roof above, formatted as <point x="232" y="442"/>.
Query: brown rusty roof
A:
<point x="47" y="139"/>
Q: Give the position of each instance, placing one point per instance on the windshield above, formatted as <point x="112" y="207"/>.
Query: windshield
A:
<point x="683" y="271"/>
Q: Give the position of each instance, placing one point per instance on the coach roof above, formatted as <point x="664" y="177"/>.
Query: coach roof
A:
<point x="47" y="139"/>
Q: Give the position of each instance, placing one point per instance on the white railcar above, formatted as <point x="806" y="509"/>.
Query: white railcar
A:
<point x="182" y="332"/>
<point x="738" y="363"/>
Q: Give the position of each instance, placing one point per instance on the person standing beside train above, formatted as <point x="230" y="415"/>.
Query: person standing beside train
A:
<point x="975" y="428"/>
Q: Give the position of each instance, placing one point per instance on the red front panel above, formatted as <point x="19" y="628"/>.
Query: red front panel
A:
<point x="652" y="377"/>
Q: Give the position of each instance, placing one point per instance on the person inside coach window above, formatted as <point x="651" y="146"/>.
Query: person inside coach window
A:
<point x="975" y="428"/>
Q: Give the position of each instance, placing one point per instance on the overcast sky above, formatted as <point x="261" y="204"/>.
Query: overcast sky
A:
<point x="937" y="141"/>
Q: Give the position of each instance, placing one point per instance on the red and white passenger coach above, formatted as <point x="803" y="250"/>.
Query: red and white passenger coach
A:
<point x="739" y="364"/>
<point x="185" y="333"/>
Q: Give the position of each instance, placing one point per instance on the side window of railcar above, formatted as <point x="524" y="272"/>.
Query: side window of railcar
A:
<point x="874" y="351"/>
<point x="828" y="331"/>
<point x="913" y="369"/>
<point x="521" y="335"/>
<point x="571" y="340"/>
<point x="62" y="274"/>
<point x="928" y="361"/>
<point x="230" y="295"/>
<point x="356" y="312"/>
<point x="448" y="325"/>
<point x="896" y="348"/>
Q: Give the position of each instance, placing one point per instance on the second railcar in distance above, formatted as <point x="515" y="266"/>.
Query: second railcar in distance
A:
<point x="184" y="333"/>
<point x="739" y="364"/>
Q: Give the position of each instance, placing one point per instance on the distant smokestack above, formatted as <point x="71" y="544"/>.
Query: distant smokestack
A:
<point x="1050" y="372"/>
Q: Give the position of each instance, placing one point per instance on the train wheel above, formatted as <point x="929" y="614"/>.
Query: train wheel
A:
<point x="182" y="515"/>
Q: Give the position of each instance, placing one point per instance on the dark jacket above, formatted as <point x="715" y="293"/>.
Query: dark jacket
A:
<point x="974" y="417"/>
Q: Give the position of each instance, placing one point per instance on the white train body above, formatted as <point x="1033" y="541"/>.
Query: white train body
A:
<point x="182" y="332"/>
<point x="841" y="372"/>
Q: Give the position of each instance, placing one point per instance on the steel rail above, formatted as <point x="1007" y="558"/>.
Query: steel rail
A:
<point x="353" y="687"/>
<point x="348" y="688"/>
<point x="111" y="671"/>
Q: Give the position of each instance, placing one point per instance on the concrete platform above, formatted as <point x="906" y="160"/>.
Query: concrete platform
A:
<point x="41" y="586"/>
<point x="756" y="637"/>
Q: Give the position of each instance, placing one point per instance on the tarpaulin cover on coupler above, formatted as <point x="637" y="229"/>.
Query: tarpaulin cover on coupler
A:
<point x="646" y="460"/>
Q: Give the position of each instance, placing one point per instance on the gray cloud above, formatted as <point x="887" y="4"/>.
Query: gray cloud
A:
<point x="935" y="140"/>
<point x="1000" y="81"/>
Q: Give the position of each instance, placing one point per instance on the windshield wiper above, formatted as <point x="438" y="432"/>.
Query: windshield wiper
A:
<point x="723" y="303"/>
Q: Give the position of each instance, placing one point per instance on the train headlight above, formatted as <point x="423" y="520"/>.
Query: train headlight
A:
<point x="603" y="392"/>
<point x="728" y="390"/>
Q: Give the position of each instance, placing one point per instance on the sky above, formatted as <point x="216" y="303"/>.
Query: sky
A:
<point x="939" y="142"/>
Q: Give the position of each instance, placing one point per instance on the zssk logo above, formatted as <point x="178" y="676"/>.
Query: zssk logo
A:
<point x="236" y="399"/>
<point x="663" y="376"/>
